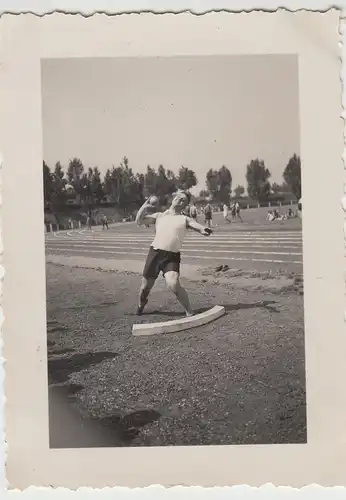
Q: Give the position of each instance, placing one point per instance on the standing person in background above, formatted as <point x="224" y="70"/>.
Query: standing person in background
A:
<point x="208" y="214"/>
<point x="233" y="211"/>
<point x="104" y="222"/>
<point x="89" y="219"/>
<point x="186" y="211"/>
<point x="225" y="213"/>
<point x="237" y="211"/>
<point x="300" y="208"/>
<point x="193" y="211"/>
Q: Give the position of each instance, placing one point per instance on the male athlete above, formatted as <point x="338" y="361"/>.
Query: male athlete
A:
<point x="164" y="254"/>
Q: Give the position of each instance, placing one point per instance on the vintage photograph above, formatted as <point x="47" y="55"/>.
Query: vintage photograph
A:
<point x="174" y="260"/>
<point x="173" y="290"/>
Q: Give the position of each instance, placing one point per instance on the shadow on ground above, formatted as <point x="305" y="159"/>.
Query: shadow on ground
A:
<point x="99" y="305"/>
<point x="266" y="304"/>
<point x="68" y="428"/>
<point x="60" y="369"/>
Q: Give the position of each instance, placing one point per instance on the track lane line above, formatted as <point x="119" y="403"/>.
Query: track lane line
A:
<point x="191" y="250"/>
<point x="243" y="259"/>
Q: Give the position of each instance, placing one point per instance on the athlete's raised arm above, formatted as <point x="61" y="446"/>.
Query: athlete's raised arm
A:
<point x="192" y="224"/>
<point x="144" y="216"/>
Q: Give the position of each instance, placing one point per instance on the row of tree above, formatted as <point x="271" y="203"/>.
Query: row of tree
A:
<point x="219" y="182"/>
<point x="127" y="189"/>
<point x="120" y="185"/>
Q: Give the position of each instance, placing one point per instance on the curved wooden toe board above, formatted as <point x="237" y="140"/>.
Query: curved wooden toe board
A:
<point x="178" y="325"/>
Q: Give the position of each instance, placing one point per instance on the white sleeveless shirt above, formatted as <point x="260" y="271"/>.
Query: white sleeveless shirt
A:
<point x="170" y="232"/>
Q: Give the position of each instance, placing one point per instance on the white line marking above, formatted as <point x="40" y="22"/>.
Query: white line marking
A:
<point x="200" y="257"/>
<point x="204" y="240"/>
<point x="215" y="233"/>
<point x="192" y="250"/>
<point x="193" y="245"/>
<point x="192" y="236"/>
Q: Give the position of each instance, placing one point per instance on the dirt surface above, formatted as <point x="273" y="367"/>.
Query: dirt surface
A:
<point x="277" y="281"/>
<point x="238" y="380"/>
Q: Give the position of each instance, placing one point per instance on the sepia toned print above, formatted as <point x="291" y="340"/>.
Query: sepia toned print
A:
<point x="200" y="210"/>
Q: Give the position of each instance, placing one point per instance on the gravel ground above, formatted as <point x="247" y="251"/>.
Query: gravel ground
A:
<point x="238" y="380"/>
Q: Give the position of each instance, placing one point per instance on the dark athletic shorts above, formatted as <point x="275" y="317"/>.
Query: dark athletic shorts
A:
<point x="160" y="261"/>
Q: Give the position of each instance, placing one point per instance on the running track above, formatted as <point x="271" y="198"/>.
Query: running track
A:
<point x="260" y="248"/>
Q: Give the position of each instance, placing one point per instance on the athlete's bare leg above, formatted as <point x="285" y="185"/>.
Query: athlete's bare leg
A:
<point x="144" y="291"/>
<point x="173" y="284"/>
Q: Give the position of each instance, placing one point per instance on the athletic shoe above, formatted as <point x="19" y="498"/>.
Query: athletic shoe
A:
<point x="141" y="307"/>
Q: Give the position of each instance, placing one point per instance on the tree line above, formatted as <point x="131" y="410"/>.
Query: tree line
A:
<point x="126" y="189"/>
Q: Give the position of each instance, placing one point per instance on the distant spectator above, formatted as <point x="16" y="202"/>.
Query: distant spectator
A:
<point x="233" y="211"/>
<point x="237" y="211"/>
<point x="193" y="211"/>
<point x="104" y="222"/>
<point x="270" y="216"/>
<point x="225" y="213"/>
<point x="208" y="214"/>
<point x="300" y="207"/>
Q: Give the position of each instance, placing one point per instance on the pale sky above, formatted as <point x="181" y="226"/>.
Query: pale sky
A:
<point x="200" y="112"/>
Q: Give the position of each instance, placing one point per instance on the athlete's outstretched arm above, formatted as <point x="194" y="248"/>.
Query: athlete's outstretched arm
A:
<point x="192" y="224"/>
<point x="143" y="217"/>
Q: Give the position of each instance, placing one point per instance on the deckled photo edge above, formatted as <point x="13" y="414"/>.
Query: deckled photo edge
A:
<point x="329" y="9"/>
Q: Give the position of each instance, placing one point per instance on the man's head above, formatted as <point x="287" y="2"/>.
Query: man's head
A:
<point x="181" y="200"/>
